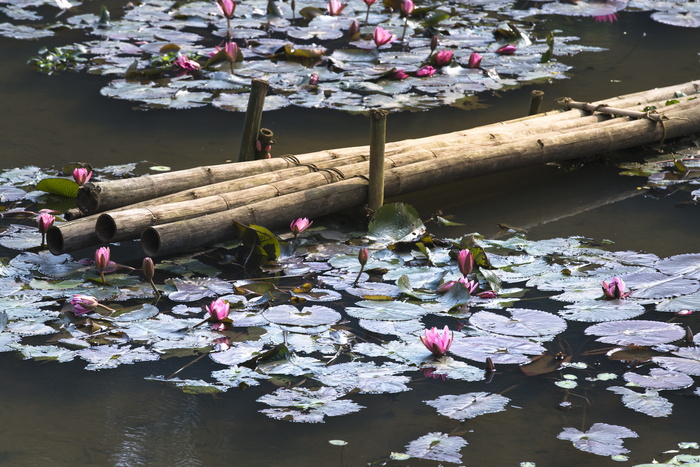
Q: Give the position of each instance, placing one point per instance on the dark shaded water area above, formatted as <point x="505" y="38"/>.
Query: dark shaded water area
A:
<point x="61" y="415"/>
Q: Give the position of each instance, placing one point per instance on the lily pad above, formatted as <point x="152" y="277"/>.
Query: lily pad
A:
<point x="469" y="405"/>
<point x="522" y="323"/>
<point x="602" y="439"/>
<point x="437" y="447"/>
<point x="637" y="332"/>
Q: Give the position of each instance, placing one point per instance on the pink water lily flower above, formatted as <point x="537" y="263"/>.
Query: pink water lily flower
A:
<point x="186" y="63"/>
<point x="425" y="71"/>
<point x="335" y="8"/>
<point x="465" y="261"/>
<point x="299" y="225"/>
<point x="508" y="49"/>
<point x="437" y="342"/>
<point x="44" y="221"/>
<point x="218" y="309"/>
<point x="83" y="304"/>
<point x="471" y="286"/>
<point x="382" y="37"/>
<point x="226" y="7"/>
<point x="444" y="57"/>
<point x="474" y="60"/>
<point x="615" y="290"/>
<point x="81" y="175"/>
<point x="398" y="74"/>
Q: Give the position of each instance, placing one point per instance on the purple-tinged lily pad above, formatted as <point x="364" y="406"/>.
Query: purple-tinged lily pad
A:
<point x="437" y="447"/>
<point x="687" y="361"/>
<point x="601" y="439"/>
<point x="522" y="323"/>
<point x="469" y="405"/>
<point x="501" y="349"/>
<point x="648" y="402"/>
<point x="639" y="332"/>
<point x="654" y="285"/>
<point x="660" y="379"/>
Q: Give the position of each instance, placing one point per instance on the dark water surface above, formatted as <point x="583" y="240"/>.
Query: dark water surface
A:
<point x="61" y="415"/>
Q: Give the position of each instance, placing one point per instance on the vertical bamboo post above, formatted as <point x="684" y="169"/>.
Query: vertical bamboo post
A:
<point x="253" y="117"/>
<point x="377" y="140"/>
<point x="536" y="97"/>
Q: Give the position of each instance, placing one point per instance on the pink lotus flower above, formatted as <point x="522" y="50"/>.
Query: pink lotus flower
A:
<point x="186" y="63"/>
<point x="606" y="18"/>
<point x="444" y="57"/>
<point x="83" y="304"/>
<point x="465" y="261"/>
<point x="382" y="37"/>
<point x="226" y="7"/>
<point x="407" y="7"/>
<point x="81" y="175"/>
<point x="335" y="7"/>
<point x="474" y="60"/>
<point x="397" y="74"/>
<point x="437" y="342"/>
<point x="508" y="49"/>
<point x="299" y="225"/>
<point x="44" y="221"/>
<point x="615" y="290"/>
<point x="426" y="71"/>
<point x="218" y="309"/>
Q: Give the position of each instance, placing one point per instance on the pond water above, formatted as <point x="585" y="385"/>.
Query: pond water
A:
<point x="62" y="415"/>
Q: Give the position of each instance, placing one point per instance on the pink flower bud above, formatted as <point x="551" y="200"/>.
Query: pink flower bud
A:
<point x="425" y="71"/>
<point x="363" y="256"/>
<point x="299" y="225"/>
<point x="226" y="7"/>
<point x="81" y="176"/>
<point x="83" y="304"/>
<point x="218" y="309"/>
<point x="444" y="57"/>
<point x="508" y="49"/>
<point x="474" y="60"/>
<point x="382" y="37"/>
<point x="102" y="258"/>
<point x="44" y="222"/>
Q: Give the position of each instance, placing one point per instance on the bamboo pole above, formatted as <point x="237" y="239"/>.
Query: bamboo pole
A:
<point x="377" y="141"/>
<point x="536" y="97"/>
<point x="102" y="196"/>
<point x="253" y="119"/>
<point x="207" y="230"/>
<point x="196" y="233"/>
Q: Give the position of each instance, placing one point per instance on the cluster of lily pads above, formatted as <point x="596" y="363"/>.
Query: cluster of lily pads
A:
<point x="168" y="54"/>
<point x="336" y="314"/>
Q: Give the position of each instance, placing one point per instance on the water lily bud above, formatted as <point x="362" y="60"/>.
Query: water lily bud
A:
<point x="102" y="258"/>
<point x="465" y="261"/>
<point x="508" y="49"/>
<point x="354" y="30"/>
<point x="397" y="74"/>
<point x="81" y="176"/>
<point x="226" y="7"/>
<point x="434" y="43"/>
<point x="44" y="221"/>
<point x="615" y="290"/>
<point x="83" y="304"/>
<point x="407" y="7"/>
<point x="444" y="57"/>
<point x="363" y="256"/>
<point x="474" y="60"/>
<point x="313" y="79"/>
<point x="149" y="268"/>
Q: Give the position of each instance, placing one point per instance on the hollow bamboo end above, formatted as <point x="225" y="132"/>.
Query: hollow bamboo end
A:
<point x="87" y="199"/>
<point x="105" y="228"/>
<point x="150" y="242"/>
<point x="54" y="240"/>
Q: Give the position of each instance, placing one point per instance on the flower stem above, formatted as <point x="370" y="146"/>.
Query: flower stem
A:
<point x="362" y="268"/>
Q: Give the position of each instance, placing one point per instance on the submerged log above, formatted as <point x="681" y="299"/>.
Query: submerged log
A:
<point x="102" y="196"/>
<point x="453" y="165"/>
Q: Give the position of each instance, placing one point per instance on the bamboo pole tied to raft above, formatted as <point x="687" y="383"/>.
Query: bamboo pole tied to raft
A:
<point x="253" y="119"/>
<point x="377" y="141"/>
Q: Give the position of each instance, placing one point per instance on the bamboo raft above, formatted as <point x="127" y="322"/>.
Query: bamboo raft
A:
<point x="190" y="209"/>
